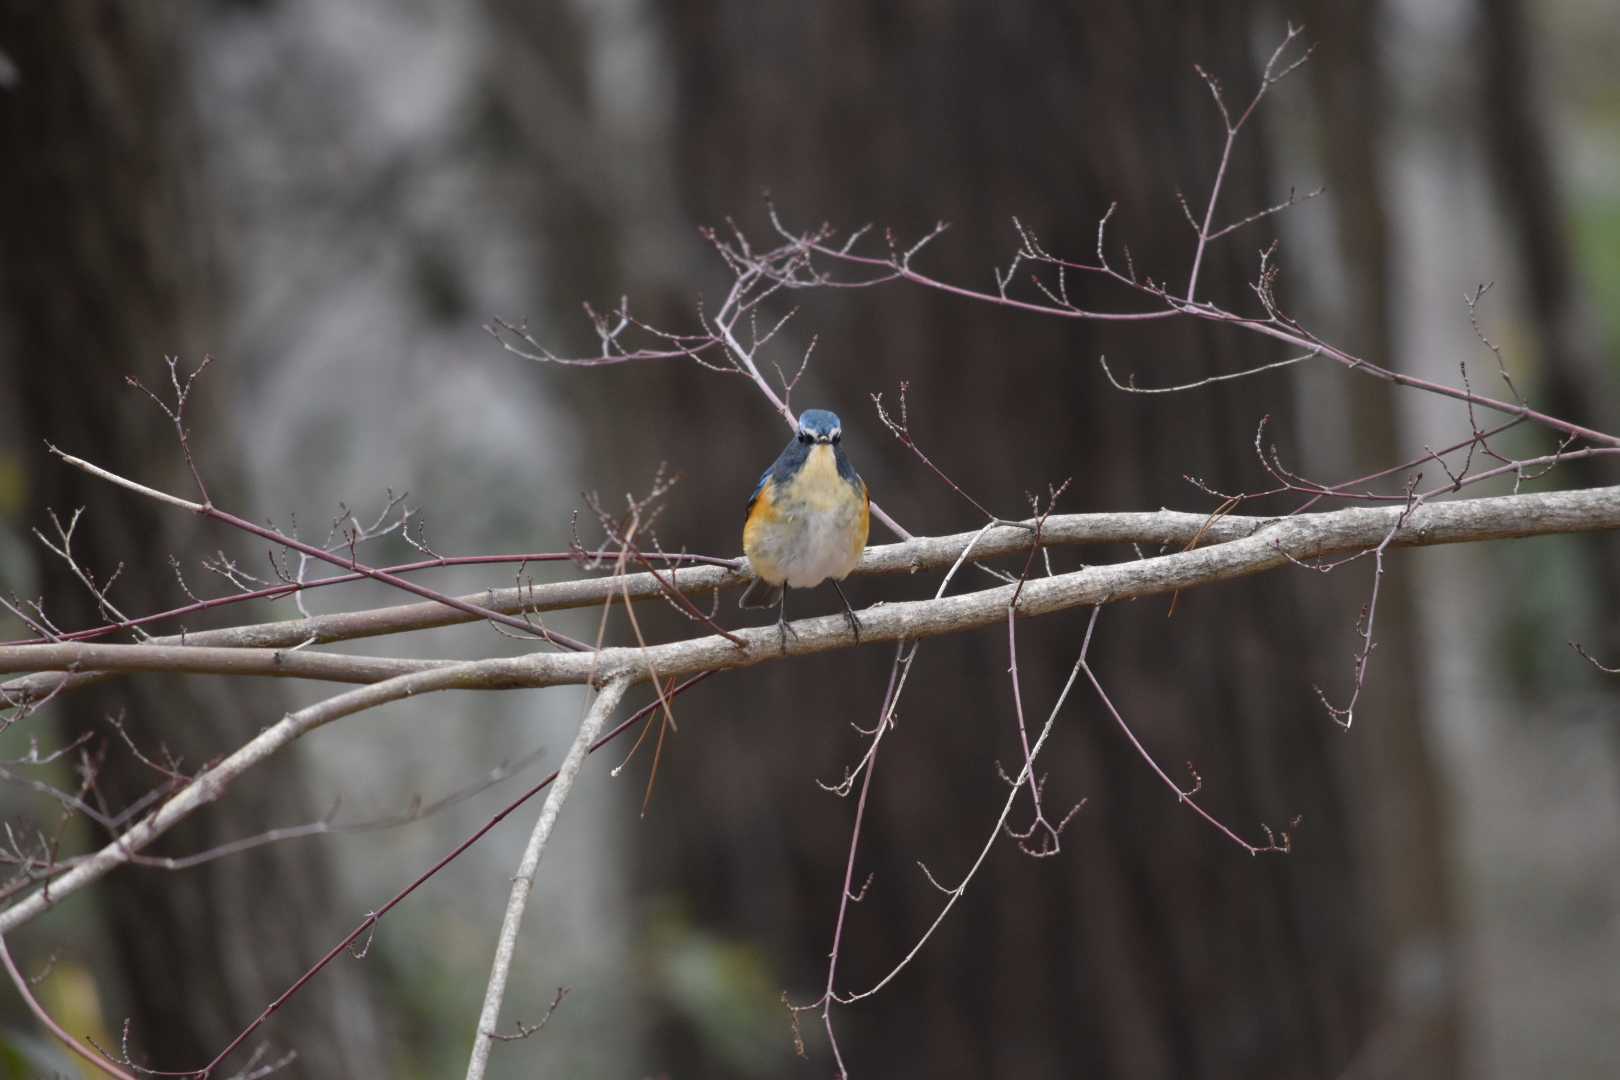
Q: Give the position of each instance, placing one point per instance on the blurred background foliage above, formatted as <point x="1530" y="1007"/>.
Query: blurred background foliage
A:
<point x="332" y="198"/>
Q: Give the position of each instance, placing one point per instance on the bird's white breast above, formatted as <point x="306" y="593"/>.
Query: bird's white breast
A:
<point x="818" y="514"/>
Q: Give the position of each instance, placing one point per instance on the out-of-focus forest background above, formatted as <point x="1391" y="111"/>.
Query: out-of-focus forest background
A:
<point x="333" y="198"/>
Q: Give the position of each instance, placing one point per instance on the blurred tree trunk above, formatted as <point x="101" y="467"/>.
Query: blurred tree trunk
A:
<point x="1409" y="889"/>
<point x="108" y="268"/>
<point x="1149" y="947"/>
<point x="1570" y="377"/>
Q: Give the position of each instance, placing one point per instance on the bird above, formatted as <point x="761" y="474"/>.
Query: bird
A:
<point x="807" y="520"/>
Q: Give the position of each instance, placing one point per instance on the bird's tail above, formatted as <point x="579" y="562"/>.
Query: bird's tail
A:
<point x="760" y="594"/>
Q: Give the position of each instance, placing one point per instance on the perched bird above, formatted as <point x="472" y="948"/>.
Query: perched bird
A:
<point x="806" y="521"/>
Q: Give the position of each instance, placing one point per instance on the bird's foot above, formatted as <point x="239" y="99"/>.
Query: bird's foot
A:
<point x="849" y="613"/>
<point x="783" y="629"/>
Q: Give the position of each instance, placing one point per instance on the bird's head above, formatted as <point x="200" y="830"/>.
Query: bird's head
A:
<point x="819" y="426"/>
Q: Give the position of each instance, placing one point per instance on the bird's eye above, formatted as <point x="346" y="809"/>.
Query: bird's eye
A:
<point x="837" y="436"/>
<point x="805" y="437"/>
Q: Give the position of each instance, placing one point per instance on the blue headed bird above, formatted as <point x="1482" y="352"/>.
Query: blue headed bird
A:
<point x="807" y="520"/>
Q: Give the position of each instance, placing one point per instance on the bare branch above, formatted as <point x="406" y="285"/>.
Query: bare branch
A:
<point x="61" y="1035"/>
<point x="1234" y="547"/>
<point x="607" y="699"/>
<point x="211" y="511"/>
<point x="1580" y="650"/>
<point x="1131" y="386"/>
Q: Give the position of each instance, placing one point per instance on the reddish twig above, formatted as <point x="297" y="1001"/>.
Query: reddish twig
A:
<point x="374" y="917"/>
<point x="1269" y="77"/>
<point x="277" y="592"/>
<point x="1183" y="795"/>
<point x="350" y="564"/>
<point x="57" y="1031"/>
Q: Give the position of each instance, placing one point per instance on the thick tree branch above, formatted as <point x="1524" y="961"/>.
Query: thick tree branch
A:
<point x="1164" y="527"/>
<point x="76" y="656"/>
<point x="1235" y="547"/>
<point x="1268" y="546"/>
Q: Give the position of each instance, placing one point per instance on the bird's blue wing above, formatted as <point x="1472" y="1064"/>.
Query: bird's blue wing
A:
<point x="764" y="478"/>
<point x="786" y="463"/>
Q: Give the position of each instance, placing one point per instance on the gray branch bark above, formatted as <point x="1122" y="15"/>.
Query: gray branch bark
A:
<point x="1263" y="544"/>
<point x="1233" y="547"/>
<point x="523" y="881"/>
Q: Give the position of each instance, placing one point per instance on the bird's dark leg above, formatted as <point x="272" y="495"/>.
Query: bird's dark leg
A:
<point x="849" y="613"/>
<point x="782" y="627"/>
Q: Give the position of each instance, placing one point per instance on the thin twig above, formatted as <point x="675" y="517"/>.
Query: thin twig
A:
<point x="607" y="699"/>
<point x="56" y="1030"/>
